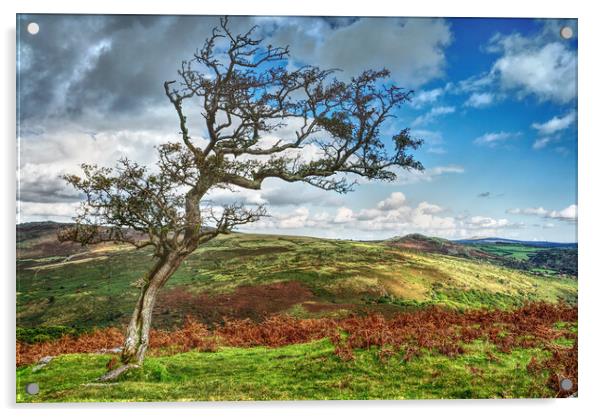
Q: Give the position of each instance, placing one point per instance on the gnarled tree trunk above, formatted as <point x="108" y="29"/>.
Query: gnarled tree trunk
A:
<point x="137" y="335"/>
<point x="138" y="331"/>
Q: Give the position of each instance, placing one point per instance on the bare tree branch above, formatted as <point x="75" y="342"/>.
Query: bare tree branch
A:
<point x="246" y="92"/>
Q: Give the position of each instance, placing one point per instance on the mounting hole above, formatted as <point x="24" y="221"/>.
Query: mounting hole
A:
<point x="33" y="28"/>
<point x="32" y="388"/>
<point x="566" y="384"/>
<point x="566" y="32"/>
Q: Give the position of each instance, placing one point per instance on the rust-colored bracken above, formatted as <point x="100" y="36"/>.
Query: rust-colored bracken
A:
<point x="410" y="333"/>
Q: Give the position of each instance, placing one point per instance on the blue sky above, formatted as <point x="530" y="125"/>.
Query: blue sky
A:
<point x="495" y="102"/>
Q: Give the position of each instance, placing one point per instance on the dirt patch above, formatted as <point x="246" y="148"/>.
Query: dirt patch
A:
<point x="254" y="302"/>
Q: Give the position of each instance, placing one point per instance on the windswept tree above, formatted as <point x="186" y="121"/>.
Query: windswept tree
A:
<point x="246" y="92"/>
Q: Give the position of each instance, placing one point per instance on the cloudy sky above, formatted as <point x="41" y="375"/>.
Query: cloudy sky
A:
<point x="495" y="102"/>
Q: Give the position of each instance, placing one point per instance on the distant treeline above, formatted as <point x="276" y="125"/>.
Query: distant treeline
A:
<point x="559" y="261"/>
<point x="563" y="261"/>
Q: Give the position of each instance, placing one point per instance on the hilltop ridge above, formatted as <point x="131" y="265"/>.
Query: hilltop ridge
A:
<point x="422" y="243"/>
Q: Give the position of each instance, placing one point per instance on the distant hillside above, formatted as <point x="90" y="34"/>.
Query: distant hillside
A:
<point x="39" y="239"/>
<point x="546" y="258"/>
<point x="499" y="240"/>
<point x="423" y="243"/>
<point x="253" y="276"/>
<point x="34" y="230"/>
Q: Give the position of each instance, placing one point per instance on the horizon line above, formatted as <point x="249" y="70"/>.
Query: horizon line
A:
<point x="364" y="240"/>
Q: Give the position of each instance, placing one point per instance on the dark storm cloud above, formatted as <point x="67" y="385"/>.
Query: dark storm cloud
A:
<point x="91" y="86"/>
<point x="43" y="187"/>
<point x="413" y="49"/>
<point x="108" y="64"/>
<point x="47" y="191"/>
<point x="117" y="64"/>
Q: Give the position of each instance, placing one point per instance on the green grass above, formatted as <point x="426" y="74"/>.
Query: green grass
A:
<point x="57" y="296"/>
<point x="46" y="333"/>
<point x="518" y="252"/>
<point x="297" y="372"/>
<point x="98" y="291"/>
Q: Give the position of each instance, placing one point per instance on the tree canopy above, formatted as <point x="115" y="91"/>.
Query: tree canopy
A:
<point x="246" y="91"/>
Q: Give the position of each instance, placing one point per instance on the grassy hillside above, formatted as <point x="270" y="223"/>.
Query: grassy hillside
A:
<point x="66" y="291"/>
<point x="308" y="371"/>
<point x="253" y="275"/>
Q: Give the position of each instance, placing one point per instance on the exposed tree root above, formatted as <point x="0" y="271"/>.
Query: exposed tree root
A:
<point x="115" y="373"/>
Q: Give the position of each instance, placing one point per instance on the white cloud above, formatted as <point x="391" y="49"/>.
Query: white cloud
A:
<point x="276" y="192"/>
<point x="423" y="218"/>
<point x="567" y="214"/>
<point x="473" y="84"/>
<point x="396" y="215"/>
<point x="550" y="131"/>
<point x="48" y="153"/>
<point x="428" y="208"/>
<point x="433" y="114"/>
<point x="495" y="138"/>
<point x="368" y="214"/>
<point x="391" y="216"/>
<point x="539" y="65"/>
<point x="32" y="211"/>
<point x="54" y="150"/>
<point x="555" y="124"/>
<point x="296" y="219"/>
<point x="71" y="146"/>
<point x="394" y="201"/>
<point x="405" y="177"/>
<point x="479" y="100"/>
<point x="426" y="97"/>
<point x="536" y="66"/>
<point x="487" y="222"/>
<point x="234" y="195"/>
<point x="541" y="143"/>
<point x="344" y="215"/>
<point x="540" y="211"/>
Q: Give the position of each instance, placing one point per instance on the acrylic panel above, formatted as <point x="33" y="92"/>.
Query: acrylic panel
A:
<point x="217" y="208"/>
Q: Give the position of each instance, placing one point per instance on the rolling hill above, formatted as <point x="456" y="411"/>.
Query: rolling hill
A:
<point x="534" y="243"/>
<point x="260" y="295"/>
<point x="252" y="276"/>
<point x="421" y="243"/>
